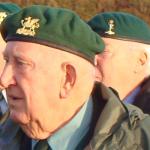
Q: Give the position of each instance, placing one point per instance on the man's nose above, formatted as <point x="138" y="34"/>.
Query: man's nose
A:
<point x="7" y="76"/>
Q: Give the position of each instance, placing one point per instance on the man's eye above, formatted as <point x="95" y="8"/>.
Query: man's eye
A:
<point x="21" y="63"/>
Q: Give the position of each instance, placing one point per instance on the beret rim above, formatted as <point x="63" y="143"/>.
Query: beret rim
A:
<point x="125" y="38"/>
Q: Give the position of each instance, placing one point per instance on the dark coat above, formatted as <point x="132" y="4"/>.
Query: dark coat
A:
<point x="142" y="100"/>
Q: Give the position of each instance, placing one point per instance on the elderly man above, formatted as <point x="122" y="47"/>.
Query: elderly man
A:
<point x="49" y="78"/>
<point x="5" y="9"/>
<point x="126" y="60"/>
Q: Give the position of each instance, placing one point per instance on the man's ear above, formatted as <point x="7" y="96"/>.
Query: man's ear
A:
<point x="142" y="60"/>
<point x="67" y="80"/>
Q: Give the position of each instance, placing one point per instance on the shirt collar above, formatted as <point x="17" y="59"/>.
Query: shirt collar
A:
<point x="131" y="97"/>
<point x="69" y="136"/>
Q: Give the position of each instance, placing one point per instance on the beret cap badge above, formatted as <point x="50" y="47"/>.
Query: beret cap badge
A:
<point x="111" y="27"/>
<point x="3" y="15"/>
<point x="28" y="26"/>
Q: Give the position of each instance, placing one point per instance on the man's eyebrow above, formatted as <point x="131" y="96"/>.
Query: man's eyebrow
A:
<point x="20" y="56"/>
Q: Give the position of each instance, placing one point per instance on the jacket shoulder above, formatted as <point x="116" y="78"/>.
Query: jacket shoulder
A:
<point x="142" y="126"/>
<point x="120" y="126"/>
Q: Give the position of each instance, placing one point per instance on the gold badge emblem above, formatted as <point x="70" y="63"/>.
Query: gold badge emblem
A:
<point x="111" y="27"/>
<point x="3" y="15"/>
<point x="28" y="26"/>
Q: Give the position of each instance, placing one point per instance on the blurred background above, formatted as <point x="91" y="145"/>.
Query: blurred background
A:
<point x="88" y="8"/>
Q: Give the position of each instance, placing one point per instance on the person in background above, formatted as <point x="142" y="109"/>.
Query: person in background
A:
<point x="125" y="63"/>
<point x="49" y="76"/>
<point x="5" y="10"/>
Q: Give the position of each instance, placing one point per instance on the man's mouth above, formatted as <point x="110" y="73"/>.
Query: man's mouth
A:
<point x="13" y="97"/>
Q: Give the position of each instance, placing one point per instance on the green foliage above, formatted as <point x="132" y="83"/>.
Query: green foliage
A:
<point x="88" y="8"/>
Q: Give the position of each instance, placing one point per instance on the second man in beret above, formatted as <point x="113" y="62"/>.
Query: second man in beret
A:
<point x="126" y="59"/>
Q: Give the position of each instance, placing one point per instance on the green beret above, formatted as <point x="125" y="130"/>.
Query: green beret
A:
<point x="6" y="9"/>
<point x="119" y="25"/>
<point x="54" y="27"/>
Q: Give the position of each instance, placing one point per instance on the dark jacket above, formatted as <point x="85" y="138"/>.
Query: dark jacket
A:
<point x="142" y="100"/>
<point x="115" y="126"/>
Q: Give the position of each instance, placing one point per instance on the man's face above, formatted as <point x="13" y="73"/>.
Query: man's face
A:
<point x="32" y="79"/>
<point x="117" y="64"/>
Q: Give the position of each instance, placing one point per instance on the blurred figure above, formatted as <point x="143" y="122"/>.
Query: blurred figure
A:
<point x="5" y="9"/>
<point x="125" y="63"/>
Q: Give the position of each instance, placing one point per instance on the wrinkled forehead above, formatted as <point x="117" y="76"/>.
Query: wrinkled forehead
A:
<point x="43" y="53"/>
<point x="19" y="48"/>
<point x="33" y="50"/>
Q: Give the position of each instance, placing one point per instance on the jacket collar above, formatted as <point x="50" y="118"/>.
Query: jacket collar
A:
<point x="113" y="111"/>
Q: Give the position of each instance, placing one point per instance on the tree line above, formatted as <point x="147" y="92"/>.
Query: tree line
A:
<point x="88" y="8"/>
